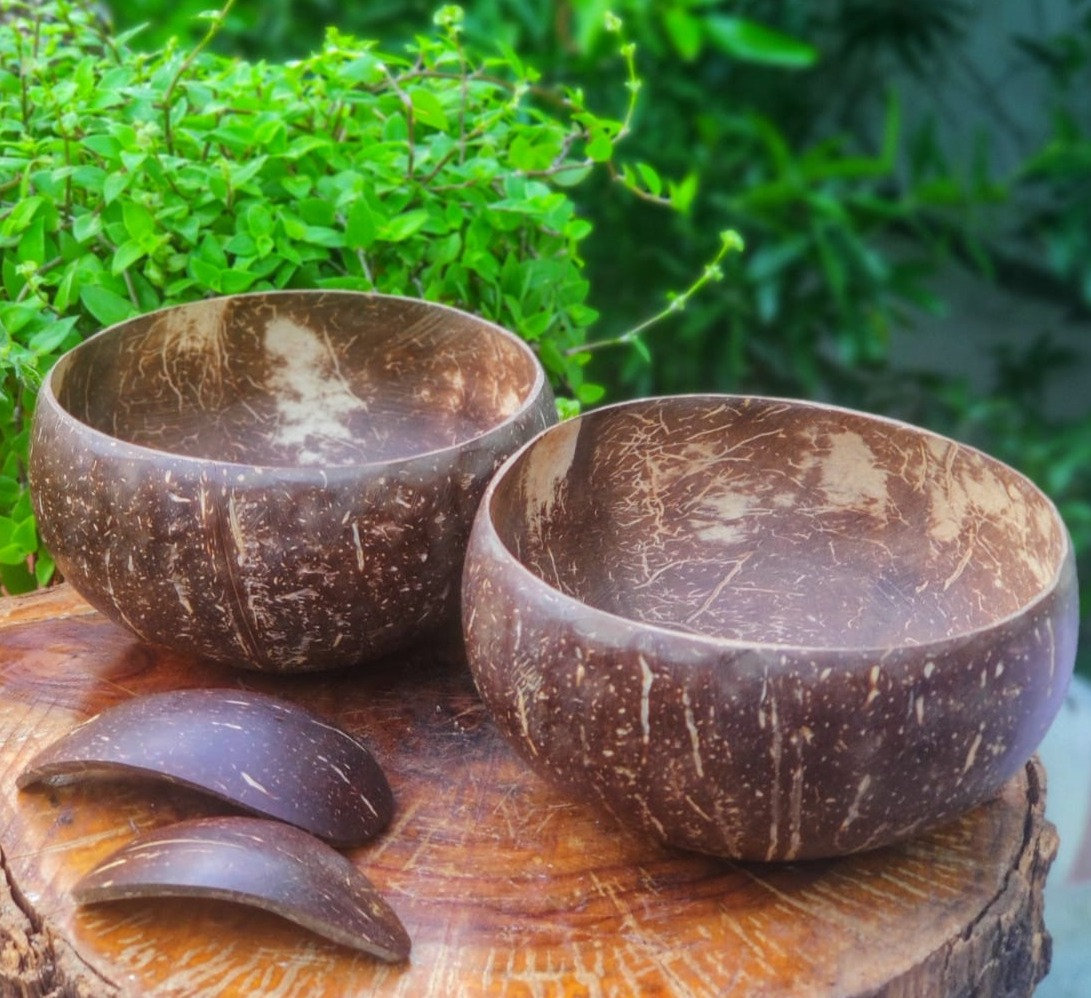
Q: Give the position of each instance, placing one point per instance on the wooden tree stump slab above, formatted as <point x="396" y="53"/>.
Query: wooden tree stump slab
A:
<point x="505" y="887"/>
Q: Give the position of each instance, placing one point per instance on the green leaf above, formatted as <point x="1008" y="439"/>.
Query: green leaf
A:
<point x="21" y="215"/>
<point x="206" y="274"/>
<point x="16" y="579"/>
<point x="47" y="340"/>
<point x="567" y="408"/>
<point x="428" y="109"/>
<point x="316" y="211"/>
<point x="26" y="535"/>
<point x="361" y="225"/>
<point x="589" y="394"/>
<point x="524" y="154"/>
<point x="750" y="41"/>
<point x="401" y="227"/>
<point x="578" y="229"/>
<point x="17" y="541"/>
<point x="293" y="227"/>
<point x="651" y="179"/>
<point x="114" y="185"/>
<point x="32" y="243"/>
<point x="323" y="235"/>
<point x="533" y="326"/>
<point x="14" y="316"/>
<point x="9" y="491"/>
<point x="212" y="252"/>
<point x="89" y="177"/>
<point x="346" y="283"/>
<point x="770" y="259"/>
<point x="685" y="34"/>
<point x="241" y="244"/>
<point x="572" y="176"/>
<point x="300" y="147"/>
<point x="125" y="256"/>
<point x="105" y="146"/>
<point x="86" y="226"/>
<point x="365" y="69"/>
<point x="599" y="146"/>
<point x="241" y="175"/>
<point x="133" y="161"/>
<point x="297" y="186"/>
<point x="139" y="222"/>
<point x="259" y="220"/>
<point x="105" y="305"/>
<point x="551" y="357"/>
<point x="44" y="568"/>
<point x="234" y="281"/>
<point x="396" y="129"/>
<point x="67" y="288"/>
<point x="683" y="192"/>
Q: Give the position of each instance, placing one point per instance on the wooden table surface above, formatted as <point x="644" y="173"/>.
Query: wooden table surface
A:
<point x="505" y="887"/>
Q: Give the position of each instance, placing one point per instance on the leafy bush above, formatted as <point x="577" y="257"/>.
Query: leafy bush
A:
<point x="131" y="181"/>
<point x="754" y="105"/>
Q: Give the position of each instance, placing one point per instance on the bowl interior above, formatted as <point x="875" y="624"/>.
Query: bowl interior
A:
<point x="298" y="379"/>
<point x="777" y="522"/>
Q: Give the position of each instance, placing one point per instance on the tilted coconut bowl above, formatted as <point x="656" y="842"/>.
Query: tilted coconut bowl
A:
<point x="768" y="629"/>
<point x="282" y="481"/>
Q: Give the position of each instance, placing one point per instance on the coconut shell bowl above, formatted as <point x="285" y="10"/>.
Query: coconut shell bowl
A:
<point x="767" y="629"/>
<point x="280" y="481"/>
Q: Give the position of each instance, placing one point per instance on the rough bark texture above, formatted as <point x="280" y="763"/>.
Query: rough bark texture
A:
<point x="34" y="962"/>
<point x="506" y="887"/>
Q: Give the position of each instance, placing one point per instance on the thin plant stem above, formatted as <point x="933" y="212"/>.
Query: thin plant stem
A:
<point x="213" y="30"/>
<point x="730" y="242"/>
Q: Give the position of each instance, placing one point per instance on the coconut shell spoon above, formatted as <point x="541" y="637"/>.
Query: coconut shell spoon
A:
<point x="256" y="862"/>
<point x="261" y="754"/>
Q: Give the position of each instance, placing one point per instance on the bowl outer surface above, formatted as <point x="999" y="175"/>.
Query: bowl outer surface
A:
<point x="759" y="752"/>
<point x="274" y="568"/>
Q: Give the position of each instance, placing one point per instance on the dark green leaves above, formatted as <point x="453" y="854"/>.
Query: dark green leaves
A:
<point x="105" y="305"/>
<point x="427" y="108"/>
<point x="754" y="42"/>
<point x="361" y="226"/>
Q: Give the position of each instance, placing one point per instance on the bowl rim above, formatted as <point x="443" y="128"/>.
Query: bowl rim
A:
<point x="873" y="653"/>
<point x="293" y="472"/>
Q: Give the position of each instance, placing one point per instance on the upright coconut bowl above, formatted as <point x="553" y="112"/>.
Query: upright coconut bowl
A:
<point x="768" y="629"/>
<point x="280" y="481"/>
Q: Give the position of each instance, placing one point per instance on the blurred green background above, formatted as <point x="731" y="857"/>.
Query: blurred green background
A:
<point x="912" y="180"/>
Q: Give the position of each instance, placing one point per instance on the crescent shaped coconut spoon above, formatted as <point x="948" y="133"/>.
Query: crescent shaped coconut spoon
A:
<point x="256" y="862"/>
<point x="261" y="754"/>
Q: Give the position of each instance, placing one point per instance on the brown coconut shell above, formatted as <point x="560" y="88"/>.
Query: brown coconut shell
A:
<point x="768" y="629"/>
<point x="281" y="481"/>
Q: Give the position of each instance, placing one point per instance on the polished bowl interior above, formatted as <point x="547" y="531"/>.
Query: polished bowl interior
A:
<point x="282" y="481"/>
<point x="776" y="523"/>
<point x="768" y="629"/>
<point x="298" y="380"/>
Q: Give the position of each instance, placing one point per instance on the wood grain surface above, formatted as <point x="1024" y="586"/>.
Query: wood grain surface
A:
<point x="505" y="887"/>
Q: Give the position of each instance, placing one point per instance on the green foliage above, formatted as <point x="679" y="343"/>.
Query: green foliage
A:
<point x="744" y="107"/>
<point x="1056" y="179"/>
<point x="130" y="181"/>
<point x="730" y="111"/>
